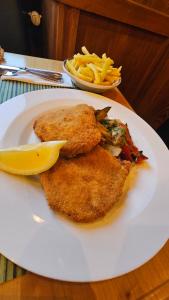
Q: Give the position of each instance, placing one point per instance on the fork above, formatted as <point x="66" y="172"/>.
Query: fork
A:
<point x="42" y="74"/>
<point x="14" y="71"/>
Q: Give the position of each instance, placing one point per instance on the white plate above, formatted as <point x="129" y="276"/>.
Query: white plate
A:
<point x="35" y="238"/>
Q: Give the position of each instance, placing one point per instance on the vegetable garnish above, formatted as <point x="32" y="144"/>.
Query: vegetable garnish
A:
<point x="117" y="139"/>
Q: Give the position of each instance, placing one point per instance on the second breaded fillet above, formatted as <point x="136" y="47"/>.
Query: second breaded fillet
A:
<point x="86" y="187"/>
<point x="76" y="124"/>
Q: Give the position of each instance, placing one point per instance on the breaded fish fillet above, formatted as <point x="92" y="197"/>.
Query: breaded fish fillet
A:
<point x="76" y="124"/>
<point x="85" y="187"/>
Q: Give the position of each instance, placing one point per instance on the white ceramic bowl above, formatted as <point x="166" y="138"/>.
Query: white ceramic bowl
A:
<point x="90" y="87"/>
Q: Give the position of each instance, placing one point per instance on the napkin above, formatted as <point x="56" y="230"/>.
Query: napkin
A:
<point x="34" y="79"/>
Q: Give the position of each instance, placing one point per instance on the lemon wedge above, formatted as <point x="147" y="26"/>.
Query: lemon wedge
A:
<point x="30" y="159"/>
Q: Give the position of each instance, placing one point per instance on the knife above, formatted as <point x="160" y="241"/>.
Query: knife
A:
<point x="26" y="69"/>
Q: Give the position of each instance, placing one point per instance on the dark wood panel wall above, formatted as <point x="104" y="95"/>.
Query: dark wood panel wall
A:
<point x="160" y="5"/>
<point x="133" y="33"/>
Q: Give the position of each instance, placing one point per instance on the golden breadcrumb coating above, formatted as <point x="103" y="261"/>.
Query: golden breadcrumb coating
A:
<point x="85" y="187"/>
<point x="75" y="124"/>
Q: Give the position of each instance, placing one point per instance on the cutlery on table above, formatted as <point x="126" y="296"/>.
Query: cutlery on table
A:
<point x="14" y="71"/>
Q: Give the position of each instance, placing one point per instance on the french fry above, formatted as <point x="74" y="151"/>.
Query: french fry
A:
<point x="95" y="55"/>
<point x="86" y="71"/>
<point x="70" y="67"/>
<point x="75" y="72"/>
<point x="96" y="73"/>
<point x="84" y="50"/>
<point x="99" y="68"/>
<point x="104" y="55"/>
<point x="111" y="78"/>
<point x="83" y="77"/>
<point x="92" y="68"/>
<point x="116" y="72"/>
<point x="107" y="63"/>
<point x="87" y="59"/>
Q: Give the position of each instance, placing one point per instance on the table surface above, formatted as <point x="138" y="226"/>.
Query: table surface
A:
<point x="150" y="281"/>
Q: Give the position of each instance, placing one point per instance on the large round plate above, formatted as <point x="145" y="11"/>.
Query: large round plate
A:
<point x="35" y="238"/>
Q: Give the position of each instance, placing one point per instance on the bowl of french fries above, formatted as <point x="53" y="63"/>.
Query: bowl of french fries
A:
<point x="91" y="72"/>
